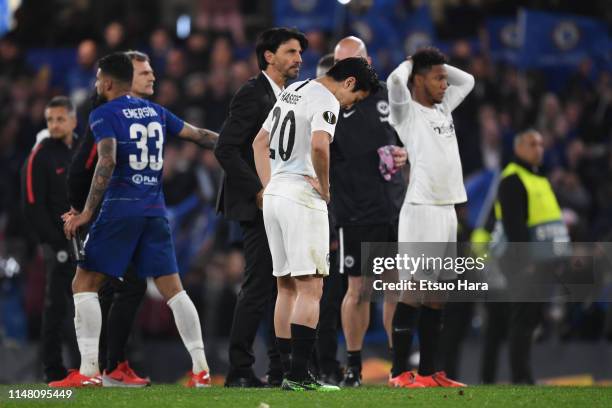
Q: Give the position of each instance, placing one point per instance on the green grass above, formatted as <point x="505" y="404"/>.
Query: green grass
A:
<point x="370" y="396"/>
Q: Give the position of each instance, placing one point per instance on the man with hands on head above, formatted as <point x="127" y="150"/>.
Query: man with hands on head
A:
<point x="422" y="116"/>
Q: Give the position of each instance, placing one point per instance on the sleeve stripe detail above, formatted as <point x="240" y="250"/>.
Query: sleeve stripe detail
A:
<point x="30" y="189"/>
<point x="92" y="156"/>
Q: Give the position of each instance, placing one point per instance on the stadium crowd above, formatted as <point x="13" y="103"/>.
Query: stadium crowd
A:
<point x="196" y="77"/>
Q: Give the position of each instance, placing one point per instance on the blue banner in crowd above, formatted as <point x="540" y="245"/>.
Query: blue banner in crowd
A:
<point x="307" y="15"/>
<point x="504" y="39"/>
<point x="389" y="26"/>
<point x="416" y="29"/>
<point x="555" y="39"/>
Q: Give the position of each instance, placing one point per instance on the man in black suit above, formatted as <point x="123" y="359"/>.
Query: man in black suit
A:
<point x="241" y="194"/>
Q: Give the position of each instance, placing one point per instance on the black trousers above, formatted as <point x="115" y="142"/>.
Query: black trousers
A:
<point x="256" y="300"/>
<point x="457" y="318"/>
<point x="329" y="319"/>
<point x="119" y="301"/>
<point x="517" y="322"/>
<point x="495" y="332"/>
<point x="58" y="314"/>
<point x="524" y="318"/>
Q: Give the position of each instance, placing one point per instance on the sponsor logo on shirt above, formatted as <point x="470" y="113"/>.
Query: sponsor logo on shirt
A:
<point x="146" y="180"/>
<point x="444" y="130"/>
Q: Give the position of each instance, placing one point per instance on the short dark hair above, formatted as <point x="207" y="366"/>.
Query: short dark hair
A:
<point x="425" y="58"/>
<point x="271" y="39"/>
<point x="61" y="102"/>
<point x="117" y="65"/>
<point x="325" y="63"/>
<point x="365" y="76"/>
<point x="138" y="56"/>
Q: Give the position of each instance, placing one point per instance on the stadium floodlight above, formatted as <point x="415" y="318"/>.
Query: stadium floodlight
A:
<point x="344" y="2"/>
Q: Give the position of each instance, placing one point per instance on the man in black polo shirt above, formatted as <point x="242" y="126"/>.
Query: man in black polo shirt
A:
<point x="366" y="199"/>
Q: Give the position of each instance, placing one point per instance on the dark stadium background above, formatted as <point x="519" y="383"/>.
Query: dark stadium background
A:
<point x="558" y="81"/>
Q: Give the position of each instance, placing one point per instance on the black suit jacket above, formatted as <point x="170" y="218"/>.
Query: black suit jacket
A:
<point x="248" y="110"/>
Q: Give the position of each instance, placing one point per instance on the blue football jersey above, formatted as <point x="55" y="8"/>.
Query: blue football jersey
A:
<point x="140" y="128"/>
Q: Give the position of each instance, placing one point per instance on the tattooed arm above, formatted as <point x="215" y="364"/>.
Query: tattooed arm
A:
<point x="202" y="137"/>
<point x="107" y="152"/>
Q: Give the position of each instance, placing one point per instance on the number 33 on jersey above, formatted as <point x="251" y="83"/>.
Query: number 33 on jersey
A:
<point x="140" y="129"/>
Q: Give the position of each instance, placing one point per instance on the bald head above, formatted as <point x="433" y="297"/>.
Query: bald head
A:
<point x="350" y="47"/>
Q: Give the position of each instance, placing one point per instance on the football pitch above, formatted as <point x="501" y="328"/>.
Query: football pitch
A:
<point x="367" y="396"/>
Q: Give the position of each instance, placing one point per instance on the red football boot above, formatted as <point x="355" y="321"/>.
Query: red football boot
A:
<point x="75" y="379"/>
<point x="124" y="376"/>
<point x="438" y="379"/>
<point x="404" y="380"/>
<point x="199" y="380"/>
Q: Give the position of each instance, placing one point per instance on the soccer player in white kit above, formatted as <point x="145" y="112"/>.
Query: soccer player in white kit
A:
<point x="292" y="159"/>
<point x="425" y="126"/>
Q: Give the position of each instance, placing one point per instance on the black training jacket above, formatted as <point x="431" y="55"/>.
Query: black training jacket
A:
<point x="44" y="191"/>
<point x="359" y="193"/>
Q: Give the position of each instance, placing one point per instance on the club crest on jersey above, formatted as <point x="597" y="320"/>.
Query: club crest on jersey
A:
<point x="329" y="117"/>
<point x="383" y="107"/>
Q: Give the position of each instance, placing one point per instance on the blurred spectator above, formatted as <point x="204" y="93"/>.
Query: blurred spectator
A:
<point x="221" y="55"/>
<point x="221" y="16"/>
<point x="80" y="80"/>
<point x="160" y="45"/>
<point x="216" y="101"/>
<point x="12" y="64"/>
<point x="198" y="51"/>
<point x="114" y="38"/>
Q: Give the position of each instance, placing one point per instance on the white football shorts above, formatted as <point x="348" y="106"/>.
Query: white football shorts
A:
<point x="298" y="237"/>
<point x="428" y="231"/>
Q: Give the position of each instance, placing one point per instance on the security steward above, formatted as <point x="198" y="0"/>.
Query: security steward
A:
<point x="527" y="211"/>
<point x="45" y="199"/>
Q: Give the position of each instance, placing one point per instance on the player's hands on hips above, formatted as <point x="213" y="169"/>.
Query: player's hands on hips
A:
<point x="400" y="156"/>
<point x="325" y="195"/>
<point x="69" y="213"/>
<point x="73" y="222"/>
<point x="259" y="199"/>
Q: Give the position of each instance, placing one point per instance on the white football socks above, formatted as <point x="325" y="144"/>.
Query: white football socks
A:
<point x="88" y="323"/>
<point x="188" y="325"/>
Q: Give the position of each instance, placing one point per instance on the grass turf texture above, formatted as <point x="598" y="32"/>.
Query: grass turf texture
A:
<point x="368" y="396"/>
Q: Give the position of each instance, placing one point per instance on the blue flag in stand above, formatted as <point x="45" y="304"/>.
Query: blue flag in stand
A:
<point x="389" y="28"/>
<point x="307" y="15"/>
<point x="555" y="39"/>
<point x="416" y="29"/>
<point x="504" y="38"/>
